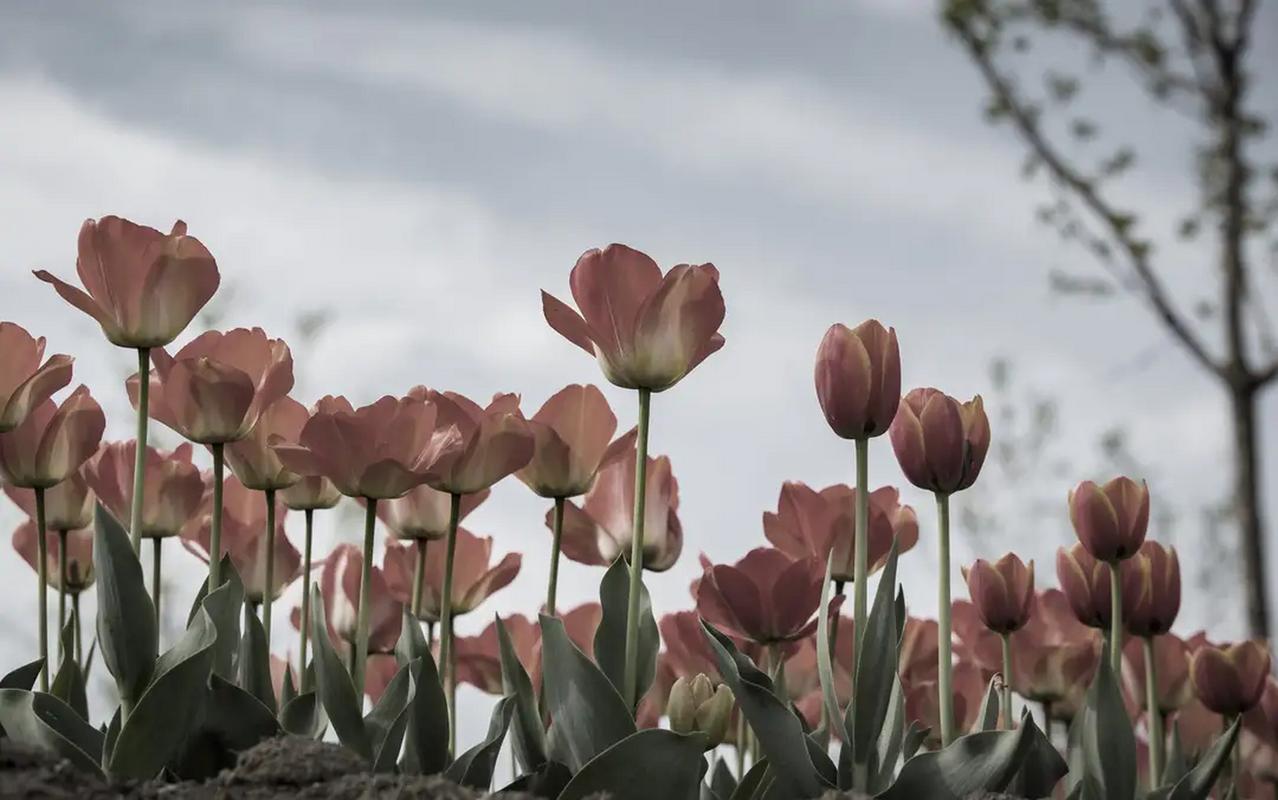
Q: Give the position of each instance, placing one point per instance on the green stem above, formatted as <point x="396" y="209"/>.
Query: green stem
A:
<point x="1153" y="717"/>
<point x="419" y="578"/>
<point x="1116" y="618"/>
<point x="63" y="576"/>
<point x="1007" y="682"/>
<point x="42" y="579"/>
<point x="944" y="657"/>
<point x="446" y="621"/>
<point x="303" y="673"/>
<point x="631" y="671"/>
<point x="268" y="591"/>
<point x="860" y="562"/>
<point x="75" y="623"/>
<point x="1047" y="719"/>
<point x="215" y="535"/>
<point x="554" y="557"/>
<point x="741" y="745"/>
<point x="1235" y="759"/>
<point x="155" y="580"/>
<point x="365" y="591"/>
<point x="139" y="458"/>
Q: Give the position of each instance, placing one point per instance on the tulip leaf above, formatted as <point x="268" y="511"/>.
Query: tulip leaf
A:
<point x="876" y="668"/>
<point x="991" y="705"/>
<point x="1177" y="767"/>
<point x="232" y="722"/>
<point x="1041" y="768"/>
<point x="1107" y="746"/>
<point x="426" y="740"/>
<point x="169" y="708"/>
<point x="647" y="764"/>
<point x="825" y="667"/>
<point x="1198" y="782"/>
<point x="288" y="690"/>
<point x="915" y="736"/>
<point x="891" y="738"/>
<point x="126" y="617"/>
<point x="254" y="661"/>
<point x="800" y="770"/>
<point x="589" y="714"/>
<point x="385" y="724"/>
<point x="224" y="607"/>
<point x="548" y="780"/>
<point x="334" y="687"/>
<point x="529" y="738"/>
<point x="68" y="684"/>
<point x="23" y="677"/>
<point x="474" y="768"/>
<point x="610" y="636"/>
<point x="752" y="782"/>
<point x="303" y="716"/>
<point x="43" y="722"/>
<point x="722" y="782"/>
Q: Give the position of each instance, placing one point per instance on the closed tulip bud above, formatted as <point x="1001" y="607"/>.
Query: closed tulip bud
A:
<point x="1229" y="680"/>
<point x="858" y="379"/>
<point x="1085" y="582"/>
<point x="24" y="382"/>
<point x="696" y="706"/>
<point x="939" y="442"/>
<point x="1153" y="577"/>
<point x="1110" y="520"/>
<point x="1003" y="592"/>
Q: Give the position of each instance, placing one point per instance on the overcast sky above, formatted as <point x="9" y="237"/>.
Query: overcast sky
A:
<point x="420" y="172"/>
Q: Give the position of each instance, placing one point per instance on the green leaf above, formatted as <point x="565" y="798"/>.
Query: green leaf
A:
<point x="991" y="705"/>
<point x="546" y="781"/>
<point x="44" y="722"/>
<point x="610" y="636"/>
<point x="800" y="770"/>
<point x="170" y="707"/>
<point x="126" y="617"/>
<point x="722" y="782"/>
<point x="68" y="684"/>
<point x="342" y="704"/>
<point x="254" y="661"/>
<point x="474" y="768"/>
<point x="914" y="739"/>
<point x="748" y="787"/>
<point x="426" y="740"/>
<point x="887" y="750"/>
<point x="287" y="689"/>
<point x="303" y="716"/>
<point x="529" y="738"/>
<point x="987" y="761"/>
<point x="1106" y="741"/>
<point x="233" y="721"/>
<point x="1041" y="768"/>
<point x="647" y="764"/>
<point x="385" y="724"/>
<point x="1198" y="782"/>
<point x="876" y="667"/>
<point x="223" y="607"/>
<point x="23" y="677"/>
<point x="589" y="714"/>
<point x="1177" y="766"/>
<point x="825" y="666"/>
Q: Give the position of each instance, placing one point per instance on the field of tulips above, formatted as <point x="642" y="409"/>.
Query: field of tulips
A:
<point x="787" y="677"/>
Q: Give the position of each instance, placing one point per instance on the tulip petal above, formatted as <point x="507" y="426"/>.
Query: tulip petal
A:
<point x="84" y="302"/>
<point x="567" y="322"/>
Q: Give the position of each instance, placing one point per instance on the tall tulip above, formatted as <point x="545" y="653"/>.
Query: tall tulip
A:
<point x="25" y="382"/>
<point x="175" y="488"/>
<point x="1151" y="600"/>
<point x="941" y="444"/>
<point x="1230" y="681"/>
<point x="766" y="597"/>
<point x="647" y="332"/>
<point x="378" y="452"/>
<point x="47" y="448"/>
<point x="1003" y="594"/>
<point x="572" y="436"/>
<point x="143" y="288"/>
<point x="212" y="391"/>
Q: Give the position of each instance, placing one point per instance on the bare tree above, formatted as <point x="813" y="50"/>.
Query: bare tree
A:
<point x="1193" y="56"/>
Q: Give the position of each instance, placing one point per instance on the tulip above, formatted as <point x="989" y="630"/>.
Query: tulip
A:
<point x="25" y="383"/>
<point x="479" y="657"/>
<point x="47" y="448"/>
<point x="858" y="379"/>
<point x="919" y="645"/>
<point x="1086" y="584"/>
<point x="377" y="452"/>
<point x="475" y="577"/>
<point x="348" y="607"/>
<point x="69" y="566"/>
<point x="1230" y="679"/>
<point x="767" y="597"/>
<point x="1261" y="722"/>
<point x="1003" y="595"/>
<point x="1156" y="674"/>
<point x="696" y="706"/>
<point x="647" y="332"/>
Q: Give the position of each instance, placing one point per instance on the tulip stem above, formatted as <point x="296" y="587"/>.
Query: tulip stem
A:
<point x="139" y="458"/>
<point x="306" y="600"/>
<point x="75" y="624"/>
<point x="741" y="748"/>
<point x="155" y="580"/>
<point x="42" y="579"/>
<point x="268" y="589"/>
<point x="1116" y="618"/>
<point x="554" y="557"/>
<point x="631" y="671"/>
<point x="62" y="588"/>
<point x="1047" y="719"/>
<point x="860" y="556"/>
<point x="446" y="621"/>
<point x="1007" y="682"/>
<point x="943" y="657"/>
<point x="1153" y="717"/>
<point x="360" y="656"/>
<point x="215" y="534"/>
<point x="419" y="578"/>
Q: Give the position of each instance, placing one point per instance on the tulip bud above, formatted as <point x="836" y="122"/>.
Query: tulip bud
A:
<point x="1151" y="590"/>
<point x="858" y="379"/>
<point x="1085" y="583"/>
<point x="696" y="706"/>
<point x="1003" y="592"/>
<point x="1230" y="680"/>
<point x="939" y="442"/>
<point x="1110" y="520"/>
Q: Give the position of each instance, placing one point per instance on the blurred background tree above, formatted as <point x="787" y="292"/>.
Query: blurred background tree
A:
<point x="1193" y="56"/>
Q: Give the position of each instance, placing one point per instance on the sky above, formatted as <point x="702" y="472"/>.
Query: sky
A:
<point x="416" y="173"/>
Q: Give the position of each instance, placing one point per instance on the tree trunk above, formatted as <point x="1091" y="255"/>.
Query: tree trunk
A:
<point x="1248" y="502"/>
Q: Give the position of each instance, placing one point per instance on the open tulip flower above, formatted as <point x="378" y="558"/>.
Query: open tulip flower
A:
<point x="475" y="578"/>
<point x="25" y="382"/>
<point x="1229" y="679"/>
<point x="812" y="523"/>
<point x="174" y="489"/>
<point x="858" y="378"/>
<point x="68" y="506"/>
<point x="422" y="514"/>
<point x="495" y="440"/>
<point x="767" y="596"/>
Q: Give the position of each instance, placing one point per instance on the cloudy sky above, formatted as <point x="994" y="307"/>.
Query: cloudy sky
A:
<point x="418" y="173"/>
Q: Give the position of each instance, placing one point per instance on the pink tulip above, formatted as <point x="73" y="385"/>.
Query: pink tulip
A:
<point x="52" y="442"/>
<point x="572" y="433"/>
<point x="215" y="388"/>
<point x="67" y="506"/>
<point x="173" y="485"/>
<point x="922" y="701"/>
<point x="920" y="645"/>
<point x="25" y="383"/>
<point x="479" y="657"/>
<point x="253" y="459"/>
<point x="766" y="597"/>
<point x="1085" y="582"/>
<point x="143" y="287"/>
<point x="340" y="588"/>
<point x="1171" y="658"/>
<point x="79" y="555"/>
<point x="811" y="523"/>
<point x="1230" y="679"/>
<point x="1154" y="574"/>
<point x="1002" y="592"/>
<point x="474" y="577"/>
<point x="1110" y="520"/>
<point x="858" y="379"/>
<point x="495" y="441"/>
<point x="379" y="451"/>
<point x="646" y="330"/>
<point x="939" y="442"/>
<point x="423" y="512"/>
<point x="245" y="539"/>
<point x="602" y="527"/>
